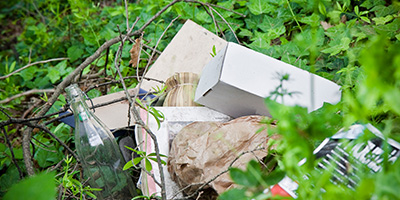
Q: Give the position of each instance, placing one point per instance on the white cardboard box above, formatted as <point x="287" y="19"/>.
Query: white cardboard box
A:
<point x="175" y="119"/>
<point x="236" y="81"/>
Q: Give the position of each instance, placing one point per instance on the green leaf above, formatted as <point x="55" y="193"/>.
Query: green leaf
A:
<point x="365" y="19"/>
<point x="234" y="193"/>
<point x="129" y="148"/>
<point x="41" y="187"/>
<point x="241" y="177"/>
<point x="128" y="165"/>
<point x="382" y="11"/>
<point x="91" y="194"/>
<point x="398" y="37"/>
<point x="155" y="160"/>
<point x="322" y="8"/>
<point x="276" y="32"/>
<point x="137" y="160"/>
<point x="312" y="20"/>
<point x="46" y="158"/>
<point x="259" y="7"/>
<point x="260" y="42"/>
<point x="8" y="178"/>
<point x="74" y="53"/>
<point x="154" y="154"/>
<point x="274" y="177"/>
<point x="245" y="33"/>
<point x="338" y="47"/>
<point x="148" y="165"/>
<point x="269" y="23"/>
<point x="53" y="74"/>
<point x="29" y="73"/>
<point x="382" y="20"/>
<point x="389" y="29"/>
<point x="11" y="69"/>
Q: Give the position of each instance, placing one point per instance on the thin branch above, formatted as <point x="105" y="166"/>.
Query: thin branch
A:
<point x="137" y="118"/>
<point x="217" y="6"/>
<point x="158" y="14"/>
<point x="25" y="94"/>
<point x="12" y="153"/>
<point x="152" y="55"/>
<point x="226" y="22"/>
<point x="29" y="65"/>
<point x="127" y="16"/>
<point x="45" y="129"/>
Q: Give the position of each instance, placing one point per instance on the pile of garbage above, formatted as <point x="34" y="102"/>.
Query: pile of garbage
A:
<point x="211" y="114"/>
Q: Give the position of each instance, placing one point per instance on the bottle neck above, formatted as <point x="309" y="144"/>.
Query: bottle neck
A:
<point x="77" y="101"/>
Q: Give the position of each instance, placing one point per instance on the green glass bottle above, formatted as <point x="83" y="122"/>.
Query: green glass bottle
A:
<point x="101" y="159"/>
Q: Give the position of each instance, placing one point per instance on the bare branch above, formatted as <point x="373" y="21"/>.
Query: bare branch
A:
<point x="45" y="129"/>
<point x="29" y="65"/>
<point x="29" y="92"/>
<point x="127" y="16"/>
<point x="12" y="152"/>
<point x="226" y="22"/>
<point x="217" y="6"/>
<point x="137" y="118"/>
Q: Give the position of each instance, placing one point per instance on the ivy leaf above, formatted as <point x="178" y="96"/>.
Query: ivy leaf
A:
<point x="261" y="42"/>
<point x="337" y="31"/>
<point x="381" y="11"/>
<point x="53" y="74"/>
<point x="74" y="53"/>
<point x="269" y="23"/>
<point x="382" y="20"/>
<point x="312" y="20"/>
<point x="259" y="7"/>
<point x="389" y="29"/>
<point x="337" y="48"/>
<point x="276" y="32"/>
<point x="245" y="33"/>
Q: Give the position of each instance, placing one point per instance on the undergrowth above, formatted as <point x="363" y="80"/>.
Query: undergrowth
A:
<point x="354" y="43"/>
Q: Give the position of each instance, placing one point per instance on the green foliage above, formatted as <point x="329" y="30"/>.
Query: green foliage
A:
<point x="253" y="181"/>
<point x="354" y="43"/>
<point x="75" y="186"/>
<point x="143" y="156"/>
<point x="41" y="186"/>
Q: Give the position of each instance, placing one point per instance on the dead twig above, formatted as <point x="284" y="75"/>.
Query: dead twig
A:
<point x="217" y="6"/>
<point x="45" y="129"/>
<point x="227" y="23"/>
<point x="137" y="118"/>
<point x="29" y="92"/>
<point x="31" y="64"/>
<point x="21" y="176"/>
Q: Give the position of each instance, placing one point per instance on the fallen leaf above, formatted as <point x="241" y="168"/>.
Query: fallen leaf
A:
<point x="135" y="52"/>
<point x="325" y="25"/>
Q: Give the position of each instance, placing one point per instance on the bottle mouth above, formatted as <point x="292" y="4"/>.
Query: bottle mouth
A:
<point x="73" y="92"/>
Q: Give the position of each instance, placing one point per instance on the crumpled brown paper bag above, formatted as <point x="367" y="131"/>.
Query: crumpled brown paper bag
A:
<point x="202" y="150"/>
